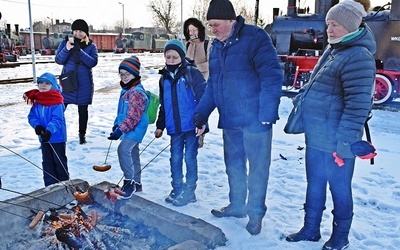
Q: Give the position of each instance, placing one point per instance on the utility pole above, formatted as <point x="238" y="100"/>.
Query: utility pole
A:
<point x="123" y="17"/>
<point x="256" y="12"/>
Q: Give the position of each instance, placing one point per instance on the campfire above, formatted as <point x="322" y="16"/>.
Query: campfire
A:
<point x="98" y="223"/>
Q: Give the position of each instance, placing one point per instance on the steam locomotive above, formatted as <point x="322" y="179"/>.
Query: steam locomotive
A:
<point x="141" y="41"/>
<point x="300" y="38"/>
<point x="12" y="44"/>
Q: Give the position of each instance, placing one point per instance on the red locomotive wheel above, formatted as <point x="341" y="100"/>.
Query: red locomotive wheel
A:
<point x="383" y="89"/>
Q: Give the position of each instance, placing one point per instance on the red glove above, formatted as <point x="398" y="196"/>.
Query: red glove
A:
<point x="338" y="160"/>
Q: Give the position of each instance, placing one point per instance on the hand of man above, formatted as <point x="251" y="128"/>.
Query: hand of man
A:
<point x="115" y="135"/>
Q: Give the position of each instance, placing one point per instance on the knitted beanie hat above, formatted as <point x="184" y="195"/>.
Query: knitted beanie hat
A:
<point x="221" y="9"/>
<point x="49" y="78"/>
<point x="348" y="13"/>
<point x="176" y="45"/>
<point x="132" y="65"/>
<point x="80" y="24"/>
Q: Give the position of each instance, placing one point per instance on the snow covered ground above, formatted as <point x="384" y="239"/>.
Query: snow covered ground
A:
<point x="376" y="188"/>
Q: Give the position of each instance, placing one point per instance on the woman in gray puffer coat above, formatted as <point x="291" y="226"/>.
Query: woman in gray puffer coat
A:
<point x="337" y="102"/>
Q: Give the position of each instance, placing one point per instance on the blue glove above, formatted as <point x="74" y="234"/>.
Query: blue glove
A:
<point x="115" y="135"/>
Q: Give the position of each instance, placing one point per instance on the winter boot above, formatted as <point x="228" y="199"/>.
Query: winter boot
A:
<point x="176" y="191"/>
<point x="128" y="188"/>
<point x="82" y="139"/>
<point x="138" y="187"/>
<point x="340" y="234"/>
<point x="310" y="231"/>
<point x="187" y="196"/>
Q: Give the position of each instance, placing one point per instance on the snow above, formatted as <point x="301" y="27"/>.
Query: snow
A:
<point x="376" y="188"/>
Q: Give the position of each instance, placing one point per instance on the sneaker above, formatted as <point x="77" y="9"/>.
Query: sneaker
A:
<point x="228" y="212"/>
<point x="138" y="187"/>
<point x="184" y="198"/>
<point x="128" y="188"/>
<point x="172" y="196"/>
<point x="254" y="225"/>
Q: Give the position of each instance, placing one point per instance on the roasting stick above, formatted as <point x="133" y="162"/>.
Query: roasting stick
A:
<point x="36" y="219"/>
<point x="69" y="186"/>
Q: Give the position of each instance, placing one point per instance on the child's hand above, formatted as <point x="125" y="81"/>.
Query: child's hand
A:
<point x="158" y="133"/>
<point x="39" y="130"/>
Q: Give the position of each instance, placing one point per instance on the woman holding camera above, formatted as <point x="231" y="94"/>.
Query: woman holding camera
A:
<point x="79" y="55"/>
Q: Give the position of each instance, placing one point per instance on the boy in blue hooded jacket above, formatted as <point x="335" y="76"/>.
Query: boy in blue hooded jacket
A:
<point x="46" y="116"/>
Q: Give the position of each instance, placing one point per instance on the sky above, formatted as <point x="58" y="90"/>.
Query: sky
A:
<point x="98" y="14"/>
<point x="376" y="188"/>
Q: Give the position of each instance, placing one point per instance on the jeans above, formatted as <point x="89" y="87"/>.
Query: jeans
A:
<point x="54" y="163"/>
<point x="83" y="117"/>
<point x="242" y="145"/>
<point x="184" y="146"/>
<point x="129" y="160"/>
<point x="321" y="169"/>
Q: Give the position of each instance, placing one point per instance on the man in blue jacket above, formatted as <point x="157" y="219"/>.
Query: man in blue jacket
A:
<point x="245" y="85"/>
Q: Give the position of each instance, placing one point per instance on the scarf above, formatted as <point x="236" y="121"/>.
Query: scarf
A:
<point x="130" y="84"/>
<point x="49" y="98"/>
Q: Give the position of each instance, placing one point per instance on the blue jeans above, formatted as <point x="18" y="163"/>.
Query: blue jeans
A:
<point x="321" y="169"/>
<point x="184" y="146"/>
<point x="129" y="160"/>
<point x="242" y="145"/>
<point x="55" y="166"/>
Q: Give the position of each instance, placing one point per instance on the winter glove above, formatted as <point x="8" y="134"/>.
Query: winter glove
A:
<point x="115" y="135"/>
<point x="114" y="127"/>
<point x="339" y="161"/>
<point x="39" y="129"/>
<point x="363" y="149"/>
<point x="76" y="46"/>
<point x="46" y="136"/>
<point x="199" y="120"/>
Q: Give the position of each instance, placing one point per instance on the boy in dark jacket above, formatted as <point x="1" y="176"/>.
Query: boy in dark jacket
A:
<point x="181" y="87"/>
<point x="47" y="118"/>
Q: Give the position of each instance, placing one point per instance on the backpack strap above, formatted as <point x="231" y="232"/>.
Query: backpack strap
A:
<point x="206" y="46"/>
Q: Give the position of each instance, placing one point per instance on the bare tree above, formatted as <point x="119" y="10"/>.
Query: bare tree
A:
<point x="200" y="10"/>
<point x="163" y="13"/>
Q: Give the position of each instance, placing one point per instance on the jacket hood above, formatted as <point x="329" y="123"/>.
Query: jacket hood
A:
<point x="196" y="23"/>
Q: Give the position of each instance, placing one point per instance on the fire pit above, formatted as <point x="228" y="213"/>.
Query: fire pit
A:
<point x="129" y="224"/>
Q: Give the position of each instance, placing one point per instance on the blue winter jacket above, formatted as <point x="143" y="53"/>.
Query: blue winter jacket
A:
<point x="340" y="95"/>
<point x="131" y="114"/>
<point x="179" y="98"/>
<point x="87" y="58"/>
<point x="245" y="81"/>
<point x="51" y="118"/>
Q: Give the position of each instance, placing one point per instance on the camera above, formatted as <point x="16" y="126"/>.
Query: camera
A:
<point x="71" y="39"/>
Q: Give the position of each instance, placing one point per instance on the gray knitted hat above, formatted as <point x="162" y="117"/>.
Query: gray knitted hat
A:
<point x="348" y="13"/>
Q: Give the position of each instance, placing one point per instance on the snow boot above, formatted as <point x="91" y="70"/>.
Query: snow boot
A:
<point x="187" y="196"/>
<point x="340" y="234"/>
<point x="311" y="229"/>
<point x="82" y="139"/>
<point x="128" y="188"/>
<point x="176" y="191"/>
